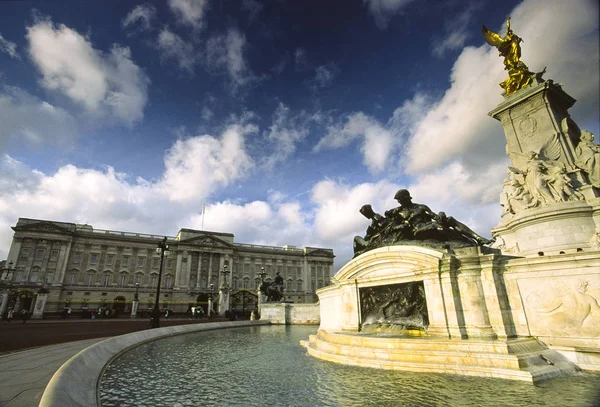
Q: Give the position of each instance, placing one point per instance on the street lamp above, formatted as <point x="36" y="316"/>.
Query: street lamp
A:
<point x="163" y="250"/>
<point x="136" y="296"/>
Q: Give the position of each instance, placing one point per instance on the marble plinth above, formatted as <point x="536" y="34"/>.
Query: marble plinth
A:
<point x="524" y="359"/>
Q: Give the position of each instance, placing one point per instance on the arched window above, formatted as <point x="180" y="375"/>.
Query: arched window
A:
<point x="234" y="283"/>
<point x="90" y="280"/>
<point x="192" y="281"/>
<point x="168" y="281"/>
<point x="299" y="285"/>
<point x="289" y="285"/>
<point x="246" y="282"/>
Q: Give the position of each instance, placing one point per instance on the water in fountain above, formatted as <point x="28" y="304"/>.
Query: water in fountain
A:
<point x="265" y="366"/>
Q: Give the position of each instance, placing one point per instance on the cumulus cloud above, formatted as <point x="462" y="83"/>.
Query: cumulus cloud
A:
<point x="172" y="46"/>
<point x="140" y="16"/>
<point x="103" y="83"/>
<point x="377" y="142"/>
<point x="27" y="118"/>
<point x="9" y="48"/>
<point x="189" y="12"/>
<point x="383" y="10"/>
<point x="195" y="166"/>
<point x="562" y="36"/>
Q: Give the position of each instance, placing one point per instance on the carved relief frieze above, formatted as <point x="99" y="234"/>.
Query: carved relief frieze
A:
<point x="528" y="126"/>
<point x="567" y="307"/>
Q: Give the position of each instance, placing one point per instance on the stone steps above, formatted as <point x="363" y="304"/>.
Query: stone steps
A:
<point x="524" y="359"/>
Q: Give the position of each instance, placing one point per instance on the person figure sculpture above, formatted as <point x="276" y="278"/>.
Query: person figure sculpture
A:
<point x="373" y="231"/>
<point x="427" y="224"/>
<point x="588" y="157"/>
<point x="412" y="223"/>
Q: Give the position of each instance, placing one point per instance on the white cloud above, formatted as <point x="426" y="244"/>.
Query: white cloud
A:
<point x="172" y="46"/>
<point x="384" y="10"/>
<point x="562" y="36"/>
<point x="108" y="83"/>
<point x="285" y="132"/>
<point x="225" y="52"/>
<point x="26" y="118"/>
<point x="196" y="166"/>
<point x="377" y="142"/>
<point x="141" y="15"/>
<point x="189" y="12"/>
<point x="9" y="47"/>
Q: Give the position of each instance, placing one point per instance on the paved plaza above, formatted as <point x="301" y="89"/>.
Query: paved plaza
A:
<point x="32" y="352"/>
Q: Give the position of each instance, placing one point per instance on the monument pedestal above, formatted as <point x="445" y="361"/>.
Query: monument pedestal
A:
<point x="488" y="314"/>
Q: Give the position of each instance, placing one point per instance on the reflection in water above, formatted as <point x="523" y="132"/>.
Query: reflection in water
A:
<point x="266" y="366"/>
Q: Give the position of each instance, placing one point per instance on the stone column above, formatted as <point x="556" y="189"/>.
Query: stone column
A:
<point x="210" y="256"/>
<point x="40" y="304"/>
<point x="61" y="263"/>
<point x="472" y="298"/>
<point x="178" y="271"/>
<point x="199" y="271"/>
<point x="436" y="305"/>
<point x="3" y="301"/>
<point x="15" y="249"/>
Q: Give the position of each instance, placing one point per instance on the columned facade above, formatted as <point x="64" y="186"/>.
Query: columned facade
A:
<point x="85" y="268"/>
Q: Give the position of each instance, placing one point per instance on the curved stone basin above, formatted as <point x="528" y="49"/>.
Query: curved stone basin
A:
<point x="266" y="366"/>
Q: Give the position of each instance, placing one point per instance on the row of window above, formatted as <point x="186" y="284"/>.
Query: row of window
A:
<point x="39" y="254"/>
<point x="110" y="259"/>
<point x="122" y="280"/>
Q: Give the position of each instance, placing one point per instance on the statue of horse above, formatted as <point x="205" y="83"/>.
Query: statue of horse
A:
<point x="273" y="291"/>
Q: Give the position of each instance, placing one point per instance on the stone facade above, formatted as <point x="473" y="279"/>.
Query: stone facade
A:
<point x="84" y="268"/>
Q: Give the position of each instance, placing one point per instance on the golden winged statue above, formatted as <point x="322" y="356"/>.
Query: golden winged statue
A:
<point x="509" y="47"/>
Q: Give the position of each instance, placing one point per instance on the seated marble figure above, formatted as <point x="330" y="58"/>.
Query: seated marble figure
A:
<point x="412" y="223"/>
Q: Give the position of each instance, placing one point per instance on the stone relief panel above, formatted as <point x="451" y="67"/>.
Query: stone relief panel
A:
<point x="569" y="307"/>
<point x="394" y="308"/>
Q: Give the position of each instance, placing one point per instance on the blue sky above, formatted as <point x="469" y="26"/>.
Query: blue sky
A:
<point x="282" y="117"/>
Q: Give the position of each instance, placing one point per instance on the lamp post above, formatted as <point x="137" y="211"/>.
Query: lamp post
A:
<point x="163" y="250"/>
<point x="5" y="286"/>
<point x="224" y="292"/>
<point x="136" y="301"/>
<point x="262" y="275"/>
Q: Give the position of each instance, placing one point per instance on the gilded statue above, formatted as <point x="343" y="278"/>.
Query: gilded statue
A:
<point x="509" y="47"/>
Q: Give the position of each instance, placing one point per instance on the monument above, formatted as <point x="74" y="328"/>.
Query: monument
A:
<point x="425" y="293"/>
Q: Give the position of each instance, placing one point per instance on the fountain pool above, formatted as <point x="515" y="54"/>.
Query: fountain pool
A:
<point x="266" y="366"/>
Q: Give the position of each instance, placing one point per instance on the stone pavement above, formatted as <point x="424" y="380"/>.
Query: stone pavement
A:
<point x="25" y="374"/>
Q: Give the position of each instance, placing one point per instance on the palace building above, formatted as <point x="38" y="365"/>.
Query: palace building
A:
<point x="81" y="268"/>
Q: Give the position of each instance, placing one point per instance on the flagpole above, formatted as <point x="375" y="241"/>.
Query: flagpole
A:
<point x="203" y="211"/>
